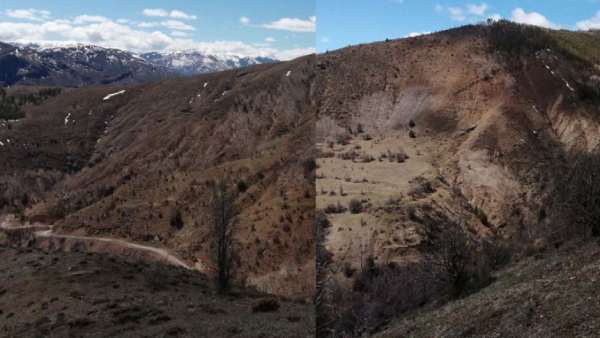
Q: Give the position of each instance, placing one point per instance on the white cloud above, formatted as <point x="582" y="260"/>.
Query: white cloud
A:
<point x="148" y="24"/>
<point x="495" y="17"/>
<point x="477" y="10"/>
<point x="244" y="20"/>
<point x="269" y="39"/>
<point x="28" y="14"/>
<point x="115" y="35"/>
<point x="89" y="18"/>
<point x="520" y="16"/>
<point x="456" y="14"/>
<point x="177" y="25"/>
<point x="179" y="34"/>
<point x="170" y="24"/>
<point x="593" y="23"/>
<point x="439" y="8"/>
<point x="175" y="14"/>
<point x="155" y="12"/>
<point x="294" y="25"/>
<point x="413" y="34"/>
<point x="325" y="39"/>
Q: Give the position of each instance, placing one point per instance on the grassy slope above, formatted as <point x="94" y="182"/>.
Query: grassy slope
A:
<point x="51" y="294"/>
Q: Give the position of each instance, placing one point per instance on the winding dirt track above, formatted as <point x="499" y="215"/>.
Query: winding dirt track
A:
<point x="46" y="232"/>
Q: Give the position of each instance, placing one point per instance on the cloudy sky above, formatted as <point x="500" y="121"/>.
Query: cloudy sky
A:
<point x="349" y="22"/>
<point x="278" y="28"/>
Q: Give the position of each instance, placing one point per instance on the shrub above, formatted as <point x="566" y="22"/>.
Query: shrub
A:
<point x="177" y="219"/>
<point x="242" y="186"/>
<point x="411" y="123"/>
<point x="265" y="305"/>
<point x="420" y="187"/>
<point x="25" y="199"/>
<point x="359" y="128"/>
<point x="355" y="206"/>
<point x="496" y="253"/>
<point x="481" y="216"/>
<point x="411" y="134"/>
<point x="335" y="208"/>
<point x="348" y="270"/>
<point x="310" y="164"/>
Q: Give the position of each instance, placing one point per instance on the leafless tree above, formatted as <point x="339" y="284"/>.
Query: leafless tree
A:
<point x="223" y="220"/>
<point x="327" y="288"/>
<point x="453" y="254"/>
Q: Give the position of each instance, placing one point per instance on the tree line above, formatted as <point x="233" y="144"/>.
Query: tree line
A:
<point x="10" y="104"/>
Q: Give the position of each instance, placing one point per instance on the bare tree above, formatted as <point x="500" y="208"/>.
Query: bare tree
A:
<point x="328" y="289"/>
<point x="453" y="254"/>
<point x="223" y="219"/>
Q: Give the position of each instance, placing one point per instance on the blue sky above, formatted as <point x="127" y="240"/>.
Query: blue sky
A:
<point x="350" y="22"/>
<point x="280" y="28"/>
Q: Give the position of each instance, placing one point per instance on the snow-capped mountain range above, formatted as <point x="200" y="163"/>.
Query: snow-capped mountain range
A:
<point x="77" y="65"/>
<point x="74" y="66"/>
<point x="192" y="62"/>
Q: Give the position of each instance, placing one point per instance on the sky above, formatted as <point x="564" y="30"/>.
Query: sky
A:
<point x="284" y="29"/>
<point x="350" y="22"/>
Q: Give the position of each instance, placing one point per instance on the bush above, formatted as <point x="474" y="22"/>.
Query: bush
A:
<point x="310" y="164"/>
<point x="411" y="134"/>
<point x="481" y="216"/>
<point x="411" y="123"/>
<point x="265" y="305"/>
<point x="177" y="219"/>
<point x="359" y="128"/>
<point x="355" y="206"/>
<point x="335" y="208"/>
<point x="496" y="253"/>
<point x="242" y="186"/>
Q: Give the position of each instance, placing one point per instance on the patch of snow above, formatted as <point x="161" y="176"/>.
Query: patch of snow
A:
<point x="206" y="83"/>
<point x="114" y="94"/>
<point x="225" y="92"/>
<point x="288" y="73"/>
<point x="67" y="118"/>
<point x="1" y="144"/>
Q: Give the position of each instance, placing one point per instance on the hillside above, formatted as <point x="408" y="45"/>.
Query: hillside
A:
<point x="479" y="125"/>
<point x="121" y="165"/>
<point x="74" y="66"/>
<point x="528" y="299"/>
<point x="50" y="294"/>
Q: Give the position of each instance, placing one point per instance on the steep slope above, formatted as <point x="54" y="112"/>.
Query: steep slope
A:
<point x="192" y="62"/>
<point x="478" y="127"/>
<point x="154" y="149"/>
<point x="527" y="300"/>
<point x="74" y="66"/>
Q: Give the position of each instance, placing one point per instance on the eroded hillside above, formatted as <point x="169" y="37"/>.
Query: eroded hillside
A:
<point x="423" y="129"/>
<point x="143" y="154"/>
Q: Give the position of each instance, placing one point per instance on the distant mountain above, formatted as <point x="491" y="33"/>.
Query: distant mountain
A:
<point x="74" y="66"/>
<point x="192" y="62"/>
